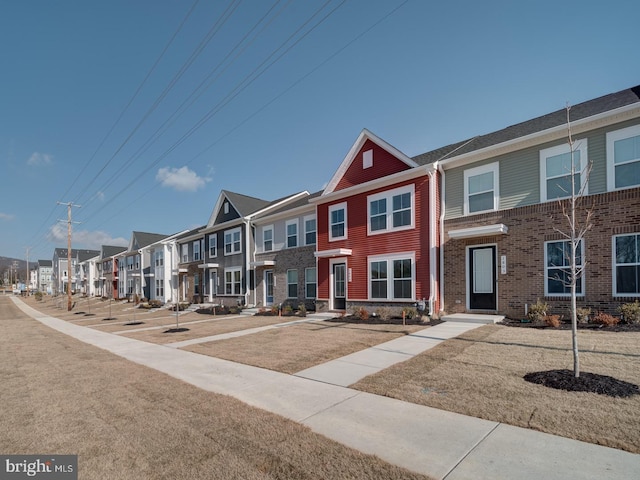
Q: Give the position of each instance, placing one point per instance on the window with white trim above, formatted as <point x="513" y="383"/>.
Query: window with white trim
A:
<point x="232" y="243"/>
<point x="557" y="271"/>
<point x="213" y="245"/>
<point x="292" y="233"/>
<point x="159" y="258"/>
<point x="623" y="158"/>
<point x="310" y="282"/>
<point x="338" y="221"/>
<point x="267" y="238"/>
<point x="232" y="281"/>
<point x="391" y="210"/>
<point x="626" y="261"/>
<point x="196" y="250"/>
<point x="185" y="253"/>
<point x="555" y="170"/>
<point x="310" y="230"/>
<point x="481" y="190"/>
<point x="292" y="283"/>
<point x="392" y="277"/>
<point x="159" y="289"/>
<point x="129" y="263"/>
<point x="367" y="159"/>
<point x="196" y="284"/>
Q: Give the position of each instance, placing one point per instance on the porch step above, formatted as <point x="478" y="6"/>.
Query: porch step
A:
<point x="473" y="318"/>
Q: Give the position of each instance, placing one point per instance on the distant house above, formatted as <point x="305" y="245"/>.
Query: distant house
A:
<point x="62" y="273"/>
<point x="503" y="194"/>
<point x="108" y="271"/>
<point x="45" y="272"/>
<point x="377" y="231"/>
<point x="134" y="266"/>
<point x="163" y="258"/>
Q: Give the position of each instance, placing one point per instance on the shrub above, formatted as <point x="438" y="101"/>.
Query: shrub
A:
<point x="583" y="314"/>
<point x="287" y="310"/>
<point x="630" y="312"/>
<point x="538" y="311"/>
<point x="552" y="321"/>
<point x="363" y="314"/>
<point x="38" y="295"/>
<point x="605" y="319"/>
<point x="384" y="313"/>
<point x="302" y="310"/>
<point x="409" y="312"/>
<point x="262" y="311"/>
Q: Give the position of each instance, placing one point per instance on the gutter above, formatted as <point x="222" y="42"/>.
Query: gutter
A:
<point x="433" y="270"/>
<point x="442" y="205"/>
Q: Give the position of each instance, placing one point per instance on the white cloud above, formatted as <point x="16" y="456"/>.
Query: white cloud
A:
<point x="6" y="216"/>
<point x="181" y="179"/>
<point x="84" y="238"/>
<point x="40" y="159"/>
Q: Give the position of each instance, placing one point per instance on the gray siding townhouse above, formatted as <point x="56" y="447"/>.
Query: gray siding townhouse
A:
<point x="283" y="260"/>
<point x="134" y="266"/>
<point x="503" y="195"/>
<point x="61" y="273"/>
<point x="45" y="272"/>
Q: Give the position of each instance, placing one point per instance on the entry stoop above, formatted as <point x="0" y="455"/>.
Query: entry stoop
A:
<point x="472" y="318"/>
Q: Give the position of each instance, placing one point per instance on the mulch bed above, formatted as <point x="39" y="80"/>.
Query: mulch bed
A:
<point x="586" y="382"/>
<point x="621" y="327"/>
<point x="381" y="321"/>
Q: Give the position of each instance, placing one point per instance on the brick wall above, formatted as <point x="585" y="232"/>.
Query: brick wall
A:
<point x="529" y="228"/>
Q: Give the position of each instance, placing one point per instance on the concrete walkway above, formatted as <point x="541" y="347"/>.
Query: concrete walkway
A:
<point x="425" y="440"/>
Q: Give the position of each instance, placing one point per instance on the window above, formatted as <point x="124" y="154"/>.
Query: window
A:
<point x="310" y="282"/>
<point x="137" y="264"/>
<point x="626" y="249"/>
<point x="481" y="189"/>
<point x="226" y="207"/>
<point x="367" y="159"/>
<point x="292" y="283"/>
<point x="185" y="253"/>
<point x="130" y="286"/>
<point x="338" y="221"/>
<point x="623" y="158"/>
<point x="557" y="268"/>
<point x="129" y="263"/>
<point x="392" y="278"/>
<point x="159" y="259"/>
<point x="196" y="250"/>
<point x="267" y="239"/>
<point x="196" y="284"/>
<point x="213" y="245"/>
<point x="232" y="242"/>
<point x="159" y="289"/>
<point x="555" y="170"/>
<point x="391" y="210"/>
<point x="292" y="233"/>
<point x="310" y="230"/>
<point x="232" y="281"/>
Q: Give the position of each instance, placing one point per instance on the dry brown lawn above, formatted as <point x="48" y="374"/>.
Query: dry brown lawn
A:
<point x="125" y="421"/>
<point x="297" y="347"/>
<point x="481" y="374"/>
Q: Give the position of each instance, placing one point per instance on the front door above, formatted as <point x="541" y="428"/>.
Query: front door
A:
<point x="268" y="288"/>
<point x="339" y="286"/>
<point x="213" y="285"/>
<point x="482" y="278"/>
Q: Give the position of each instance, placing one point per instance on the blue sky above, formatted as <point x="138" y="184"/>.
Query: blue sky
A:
<point x="142" y="113"/>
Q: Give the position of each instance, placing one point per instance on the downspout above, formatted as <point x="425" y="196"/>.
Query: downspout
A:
<point x="433" y="243"/>
<point x="253" y="254"/>
<point x="442" y="205"/>
<point x="247" y="222"/>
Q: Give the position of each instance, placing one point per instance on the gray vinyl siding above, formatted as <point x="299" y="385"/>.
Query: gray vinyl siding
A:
<point x="519" y="173"/>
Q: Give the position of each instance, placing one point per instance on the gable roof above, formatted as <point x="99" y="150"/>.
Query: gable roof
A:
<point x="353" y="152"/>
<point x="45" y="263"/>
<point x="551" y="120"/>
<point x="111" y="250"/>
<point x="142" y="239"/>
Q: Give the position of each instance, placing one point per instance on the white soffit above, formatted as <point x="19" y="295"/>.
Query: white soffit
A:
<point x="263" y="263"/>
<point x="208" y="265"/>
<point x="483" y="231"/>
<point x="338" y="252"/>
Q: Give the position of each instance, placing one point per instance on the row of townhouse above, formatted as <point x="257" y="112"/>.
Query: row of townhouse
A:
<point x="470" y="227"/>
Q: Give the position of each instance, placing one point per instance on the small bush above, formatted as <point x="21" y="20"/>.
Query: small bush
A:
<point x="538" y="311"/>
<point x="605" y="319"/>
<point x="409" y="312"/>
<point x="630" y="312"/>
<point x="384" y="313"/>
<point x="583" y="314"/>
<point x="287" y="310"/>
<point x="38" y="296"/>
<point x="552" y="321"/>
<point x="262" y="311"/>
<point x="302" y="310"/>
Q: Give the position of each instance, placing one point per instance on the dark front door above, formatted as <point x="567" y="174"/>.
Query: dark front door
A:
<point x="482" y="278"/>
<point x="339" y="286"/>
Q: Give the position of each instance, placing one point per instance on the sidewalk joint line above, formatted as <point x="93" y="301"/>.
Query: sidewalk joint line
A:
<point x="471" y="450"/>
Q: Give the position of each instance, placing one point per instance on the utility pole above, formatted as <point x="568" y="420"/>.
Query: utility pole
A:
<point x="69" y="222"/>
<point x="28" y="281"/>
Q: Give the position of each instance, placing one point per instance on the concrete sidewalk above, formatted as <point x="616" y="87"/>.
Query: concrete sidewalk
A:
<point x="433" y="442"/>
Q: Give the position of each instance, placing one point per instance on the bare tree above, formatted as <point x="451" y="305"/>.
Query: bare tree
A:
<point x="578" y="221"/>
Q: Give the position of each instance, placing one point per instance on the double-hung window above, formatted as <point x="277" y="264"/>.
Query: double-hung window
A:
<point x="196" y="284"/>
<point x="213" y="245"/>
<point x="391" y="210"/>
<point x="310" y="282"/>
<point x="232" y="281"/>
<point x="338" y="221"/>
<point x="556" y="168"/>
<point x="481" y="189"/>
<point x="626" y="251"/>
<point x="310" y="230"/>
<point x="129" y="263"/>
<point x="557" y="268"/>
<point x="292" y="233"/>
<point x="267" y="238"/>
<point x="623" y="158"/>
<point x="196" y="250"/>
<point x="185" y="253"/>
<point x="232" y="243"/>
<point x="292" y="283"/>
<point x="392" y="277"/>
